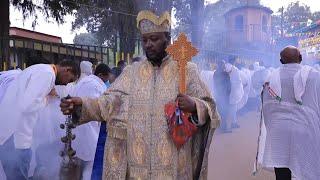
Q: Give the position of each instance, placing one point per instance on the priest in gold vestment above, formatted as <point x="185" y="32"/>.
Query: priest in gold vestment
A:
<point x="138" y="144"/>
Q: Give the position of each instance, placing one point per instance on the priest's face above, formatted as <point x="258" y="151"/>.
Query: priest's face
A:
<point x="65" y="76"/>
<point x="154" y="45"/>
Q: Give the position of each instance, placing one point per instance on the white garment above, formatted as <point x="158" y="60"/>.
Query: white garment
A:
<point x="87" y="171"/>
<point x="317" y="67"/>
<point x="87" y="134"/>
<point x="236" y="84"/>
<point x="86" y="68"/>
<point x="299" y="80"/>
<point x="50" y="118"/>
<point x="258" y="78"/>
<point x="293" y="130"/>
<point x="257" y="67"/>
<point x="6" y="77"/>
<point x="2" y="174"/>
<point x="207" y="78"/>
<point x="245" y="77"/>
<point x="23" y="99"/>
<point x="47" y="130"/>
<point x="64" y="91"/>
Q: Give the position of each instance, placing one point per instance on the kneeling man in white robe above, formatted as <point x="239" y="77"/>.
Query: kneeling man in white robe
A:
<point x="87" y="134"/>
<point x="19" y="110"/>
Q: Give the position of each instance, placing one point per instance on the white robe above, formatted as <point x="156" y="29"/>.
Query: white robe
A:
<point x="258" y="78"/>
<point x="21" y="103"/>
<point x="246" y="83"/>
<point x="87" y="134"/>
<point x="317" y="67"/>
<point x="47" y="132"/>
<point x="6" y="77"/>
<point x="293" y="130"/>
<point x="236" y="84"/>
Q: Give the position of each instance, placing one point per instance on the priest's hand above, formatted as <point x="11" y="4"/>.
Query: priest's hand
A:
<point x="186" y="103"/>
<point x="68" y="105"/>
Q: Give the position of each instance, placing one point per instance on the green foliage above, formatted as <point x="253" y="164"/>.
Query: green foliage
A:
<point x="215" y="22"/>
<point x="113" y="22"/>
<point x="56" y="9"/>
<point x="86" y="39"/>
<point x="295" y="17"/>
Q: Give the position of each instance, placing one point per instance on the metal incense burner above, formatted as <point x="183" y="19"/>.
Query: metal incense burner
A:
<point x="70" y="168"/>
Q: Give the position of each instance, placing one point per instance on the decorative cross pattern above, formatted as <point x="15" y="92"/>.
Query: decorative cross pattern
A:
<point x="182" y="51"/>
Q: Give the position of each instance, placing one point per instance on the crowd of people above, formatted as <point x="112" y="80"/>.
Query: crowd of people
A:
<point x="289" y="102"/>
<point x="36" y="93"/>
<point x="122" y="130"/>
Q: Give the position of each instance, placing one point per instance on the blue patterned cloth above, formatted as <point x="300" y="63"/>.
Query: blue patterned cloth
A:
<point x="98" y="158"/>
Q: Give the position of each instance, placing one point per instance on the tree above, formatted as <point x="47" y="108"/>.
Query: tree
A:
<point x="114" y="22"/>
<point x="293" y="18"/>
<point x="88" y="39"/>
<point x="296" y="16"/>
<point x="56" y="9"/>
<point x="215" y="22"/>
<point x="189" y="15"/>
<point x="4" y="32"/>
<point x="197" y="7"/>
<point x="316" y="16"/>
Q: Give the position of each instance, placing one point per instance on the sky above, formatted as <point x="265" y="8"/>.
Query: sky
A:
<point x="64" y="30"/>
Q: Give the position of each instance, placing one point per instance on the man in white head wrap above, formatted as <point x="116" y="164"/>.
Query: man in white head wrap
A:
<point x="236" y="93"/>
<point x="86" y="69"/>
<point x="88" y="86"/>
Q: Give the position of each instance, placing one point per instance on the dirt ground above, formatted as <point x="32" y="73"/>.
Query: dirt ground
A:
<point x="232" y="155"/>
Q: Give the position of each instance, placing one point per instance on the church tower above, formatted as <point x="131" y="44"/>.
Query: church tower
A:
<point x="249" y="23"/>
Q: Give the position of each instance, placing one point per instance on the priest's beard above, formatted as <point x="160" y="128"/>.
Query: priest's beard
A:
<point x="156" y="61"/>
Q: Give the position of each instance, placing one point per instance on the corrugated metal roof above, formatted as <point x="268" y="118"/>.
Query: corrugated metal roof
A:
<point x="24" y="33"/>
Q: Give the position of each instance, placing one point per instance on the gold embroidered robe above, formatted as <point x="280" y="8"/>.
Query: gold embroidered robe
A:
<point x="138" y="144"/>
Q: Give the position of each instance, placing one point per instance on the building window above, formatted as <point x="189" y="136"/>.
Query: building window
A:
<point x="264" y="24"/>
<point x="239" y="23"/>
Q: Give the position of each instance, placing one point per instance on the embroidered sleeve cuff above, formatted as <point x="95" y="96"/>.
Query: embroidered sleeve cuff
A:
<point x="88" y="111"/>
<point x="202" y="113"/>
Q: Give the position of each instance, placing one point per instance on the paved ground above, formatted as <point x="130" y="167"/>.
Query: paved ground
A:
<point x="232" y="155"/>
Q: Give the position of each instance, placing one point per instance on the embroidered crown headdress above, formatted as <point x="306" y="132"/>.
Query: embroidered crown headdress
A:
<point x="148" y="22"/>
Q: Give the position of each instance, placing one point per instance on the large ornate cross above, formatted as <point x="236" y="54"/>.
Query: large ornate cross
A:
<point x="182" y="51"/>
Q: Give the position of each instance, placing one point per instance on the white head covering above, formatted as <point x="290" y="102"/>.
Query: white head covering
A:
<point x="86" y="68"/>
